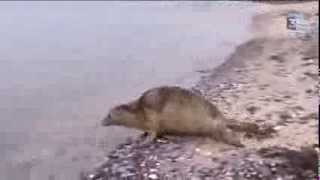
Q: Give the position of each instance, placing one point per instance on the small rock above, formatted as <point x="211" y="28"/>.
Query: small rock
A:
<point x="252" y="109"/>
<point x="238" y="70"/>
<point x="278" y="99"/>
<point x="180" y="158"/>
<point x="92" y="176"/>
<point x="301" y="78"/>
<point x="153" y="170"/>
<point x="285" y="116"/>
<point x="309" y="91"/>
<point x="162" y="140"/>
<point x="273" y="169"/>
<point x="260" y="162"/>
<point x="308" y="63"/>
<point x="287" y="96"/>
<point x="143" y="164"/>
<point x="251" y="169"/>
<point x="277" y="128"/>
<point x="195" y="178"/>
<point x="273" y="164"/>
<point x="277" y="58"/>
<point x="153" y="176"/>
<point x="307" y="58"/>
<point x="228" y="173"/>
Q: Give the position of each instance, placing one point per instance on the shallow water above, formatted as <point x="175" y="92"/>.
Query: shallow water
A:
<point x="64" y="64"/>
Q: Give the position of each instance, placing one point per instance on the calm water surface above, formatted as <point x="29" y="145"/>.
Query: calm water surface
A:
<point x="64" y="64"/>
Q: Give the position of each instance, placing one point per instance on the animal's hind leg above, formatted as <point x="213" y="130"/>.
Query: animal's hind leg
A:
<point x="227" y="136"/>
<point x="146" y="134"/>
<point x="231" y="138"/>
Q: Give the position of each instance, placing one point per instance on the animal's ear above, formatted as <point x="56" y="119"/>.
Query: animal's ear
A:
<point x="133" y="105"/>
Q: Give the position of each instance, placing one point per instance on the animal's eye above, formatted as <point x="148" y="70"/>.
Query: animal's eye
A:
<point x="118" y="108"/>
<point x="124" y="107"/>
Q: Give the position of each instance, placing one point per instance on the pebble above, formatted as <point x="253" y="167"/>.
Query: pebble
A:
<point x="273" y="169"/>
<point x="91" y="176"/>
<point x="143" y="164"/>
<point x="273" y="164"/>
<point x="195" y="178"/>
<point x="153" y="170"/>
<point x="285" y="116"/>
<point x="153" y="176"/>
<point x="228" y="173"/>
<point x="252" y="109"/>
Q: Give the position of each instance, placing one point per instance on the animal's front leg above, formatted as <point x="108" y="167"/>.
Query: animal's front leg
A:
<point x="152" y="128"/>
<point x="144" y="135"/>
<point x="150" y="137"/>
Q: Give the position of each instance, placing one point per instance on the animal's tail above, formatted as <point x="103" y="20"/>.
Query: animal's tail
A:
<point x="251" y="129"/>
<point x="242" y="126"/>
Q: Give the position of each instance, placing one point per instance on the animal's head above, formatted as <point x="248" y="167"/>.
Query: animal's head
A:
<point x="123" y="115"/>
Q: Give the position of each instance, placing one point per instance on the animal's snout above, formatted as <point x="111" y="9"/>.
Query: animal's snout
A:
<point x="107" y="121"/>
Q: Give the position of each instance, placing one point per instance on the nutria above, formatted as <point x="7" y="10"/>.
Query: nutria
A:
<point x="177" y="111"/>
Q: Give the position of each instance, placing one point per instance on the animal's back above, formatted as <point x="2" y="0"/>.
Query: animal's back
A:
<point x="179" y="111"/>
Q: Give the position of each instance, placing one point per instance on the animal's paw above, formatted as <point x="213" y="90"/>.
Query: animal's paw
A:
<point x="144" y="135"/>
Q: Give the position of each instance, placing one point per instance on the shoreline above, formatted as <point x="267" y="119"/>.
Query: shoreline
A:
<point x="258" y="83"/>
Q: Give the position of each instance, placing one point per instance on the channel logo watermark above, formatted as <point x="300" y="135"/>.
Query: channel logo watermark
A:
<point x="299" y="26"/>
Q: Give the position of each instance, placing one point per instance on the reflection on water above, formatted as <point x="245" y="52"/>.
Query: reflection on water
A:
<point x="63" y="64"/>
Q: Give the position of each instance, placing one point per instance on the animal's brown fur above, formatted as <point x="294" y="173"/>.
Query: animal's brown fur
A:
<point x="174" y="110"/>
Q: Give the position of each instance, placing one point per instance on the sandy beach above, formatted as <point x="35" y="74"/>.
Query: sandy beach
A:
<point x="271" y="80"/>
